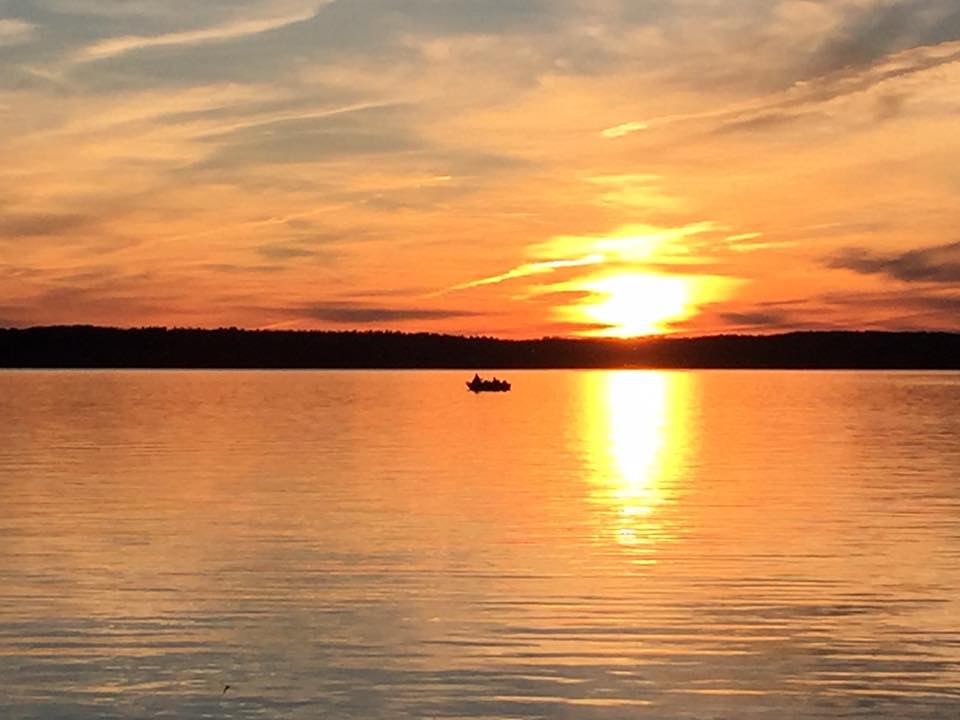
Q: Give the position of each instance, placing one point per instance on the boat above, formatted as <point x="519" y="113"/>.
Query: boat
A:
<point x="479" y="385"/>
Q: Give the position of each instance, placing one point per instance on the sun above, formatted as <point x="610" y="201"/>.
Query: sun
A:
<point x="632" y="304"/>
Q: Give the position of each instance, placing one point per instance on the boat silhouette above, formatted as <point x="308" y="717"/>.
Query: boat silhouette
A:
<point x="479" y="385"/>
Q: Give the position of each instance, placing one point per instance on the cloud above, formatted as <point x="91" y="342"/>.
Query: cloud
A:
<point x="890" y="106"/>
<point x="805" y="98"/>
<point x="268" y="121"/>
<point x="873" y="30"/>
<point x="624" y="129"/>
<point x="110" y="300"/>
<point x="566" y="329"/>
<point x="19" y="271"/>
<point x="527" y="269"/>
<point x="633" y="190"/>
<point x="754" y="318"/>
<point x="927" y="302"/>
<point x="629" y="249"/>
<point x="111" y="47"/>
<point x="902" y="309"/>
<point x="334" y="134"/>
<point x="345" y="39"/>
<point x="937" y="264"/>
<point x="630" y="243"/>
<point x="356" y="313"/>
<point x="284" y="252"/>
<point x="14" y="31"/>
<point x="773" y="120"/>
<point x="234" y="268"/>
<point x="40" y="224"/>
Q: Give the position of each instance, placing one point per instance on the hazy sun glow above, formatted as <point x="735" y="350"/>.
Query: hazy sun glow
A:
<point x="633" y="304"/>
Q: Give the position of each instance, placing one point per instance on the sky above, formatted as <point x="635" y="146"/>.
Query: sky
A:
<point x="516" y="168"/>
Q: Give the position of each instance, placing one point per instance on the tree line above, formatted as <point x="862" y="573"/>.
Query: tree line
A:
<point x="158" y="347"/>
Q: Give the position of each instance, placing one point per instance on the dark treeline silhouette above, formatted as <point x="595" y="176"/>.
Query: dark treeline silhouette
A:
<point x="97" y="347"/>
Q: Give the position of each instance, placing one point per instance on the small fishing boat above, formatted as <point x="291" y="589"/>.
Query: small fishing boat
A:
<point x="479" y="385"/>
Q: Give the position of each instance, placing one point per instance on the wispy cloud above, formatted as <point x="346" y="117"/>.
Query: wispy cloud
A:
<point x="624" y="129"/>
<point x="14" y="31"/>
<point x="39" y="225"/>
<point x="755" y="319"/>
<point x="281" y="251"/>
<point x="629" y="243"/>
<point x="633" y="190"/>
<point x="112" y="47"/>
<point x="358" y="313"/>
<point x="527" y="269"/>
<point x="867" y="31"/>
<point x="629" y="247"/>
<point x="939" y="264"/>
<point x="804" y="96"/>
<point x="263" y="121"/>
<point x="898" y="309"/>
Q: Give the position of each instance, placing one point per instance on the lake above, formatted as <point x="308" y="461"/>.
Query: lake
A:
<point x="591" y="545"/>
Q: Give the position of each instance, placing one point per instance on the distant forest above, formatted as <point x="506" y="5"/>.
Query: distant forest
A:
<point x="97" y="347"/>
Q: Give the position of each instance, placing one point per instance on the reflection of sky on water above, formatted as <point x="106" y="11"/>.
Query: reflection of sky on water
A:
<point x="592" y="545"/>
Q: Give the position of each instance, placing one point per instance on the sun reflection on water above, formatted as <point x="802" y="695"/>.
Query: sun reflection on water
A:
<point x="636" y="443"/>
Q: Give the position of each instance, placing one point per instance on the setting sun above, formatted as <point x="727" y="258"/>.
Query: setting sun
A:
<point x="636" y="304"/>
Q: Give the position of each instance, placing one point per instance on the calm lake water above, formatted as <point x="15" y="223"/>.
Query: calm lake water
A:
<point x="387" y="545"/>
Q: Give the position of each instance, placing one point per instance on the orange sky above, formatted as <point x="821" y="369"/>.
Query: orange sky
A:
<point x="521" y="168"/>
